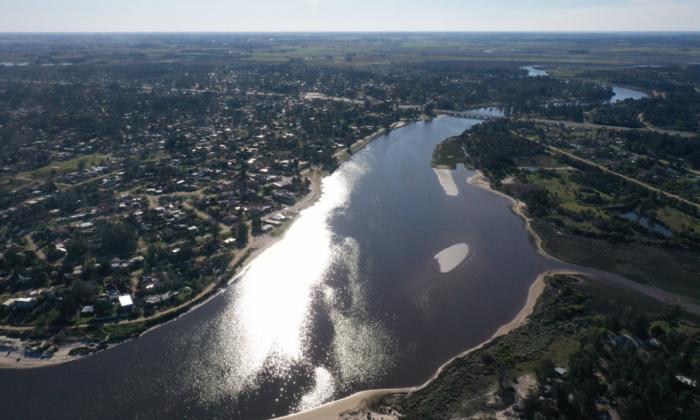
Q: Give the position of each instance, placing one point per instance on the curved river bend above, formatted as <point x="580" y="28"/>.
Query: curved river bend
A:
<point x="352" y="298"/>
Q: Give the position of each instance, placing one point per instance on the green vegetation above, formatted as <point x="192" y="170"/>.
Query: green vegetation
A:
<point x="674" y="104"/>
<point x="53" y="169"/>
<point x="614" y="350"/>
<point x="583" y="214"/>
<point x="132" y="178"/>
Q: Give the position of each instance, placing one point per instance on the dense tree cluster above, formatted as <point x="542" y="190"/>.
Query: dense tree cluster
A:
<point x="674" y="103"/>
<point x="494" y="147"/>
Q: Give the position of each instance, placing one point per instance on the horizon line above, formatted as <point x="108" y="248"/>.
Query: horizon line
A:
<point x="300" y="32"/>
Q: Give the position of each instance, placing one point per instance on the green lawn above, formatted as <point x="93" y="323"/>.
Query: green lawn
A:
<point x="64" y="167"/>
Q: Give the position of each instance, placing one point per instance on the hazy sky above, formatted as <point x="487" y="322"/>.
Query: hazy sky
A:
<point x="348" y="15"/>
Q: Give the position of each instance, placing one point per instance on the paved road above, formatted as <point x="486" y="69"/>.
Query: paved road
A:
<point x="592" y="126"/>
<point x="617" y="174"/>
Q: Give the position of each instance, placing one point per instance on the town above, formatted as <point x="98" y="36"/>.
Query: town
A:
<point x="146" y="178"/>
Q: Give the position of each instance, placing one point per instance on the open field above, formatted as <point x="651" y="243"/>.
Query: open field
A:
<point x="593" y="51"/>
<point x="63" y="167"/>
<point x="674" y="270"/>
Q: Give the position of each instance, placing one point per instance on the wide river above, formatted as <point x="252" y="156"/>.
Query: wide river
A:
<point x="620" y="94"/>
<point x="397" y="268"/>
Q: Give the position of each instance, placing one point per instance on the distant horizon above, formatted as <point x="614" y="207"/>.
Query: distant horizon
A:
<point x="262" y="32"/>
<point x="336" y="16"/>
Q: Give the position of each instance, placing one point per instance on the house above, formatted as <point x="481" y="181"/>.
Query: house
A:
<point x="686" y="381"/>
<point x="20" y="303"/>
<point x="126" y="302"/>
<point x="284" y="198"/>
<point x="156" y="299"/>
<point x="86" y="225"/>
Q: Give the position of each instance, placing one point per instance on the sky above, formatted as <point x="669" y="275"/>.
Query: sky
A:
<point x="347" y="15"/>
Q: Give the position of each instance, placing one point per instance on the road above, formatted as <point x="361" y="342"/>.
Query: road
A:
<point x="591" y="126"/>
<point x="617" y="174"/>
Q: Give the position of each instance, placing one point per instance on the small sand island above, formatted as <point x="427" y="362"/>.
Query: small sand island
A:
<point x="447" y="181"/>
<point x="451" y="257"/>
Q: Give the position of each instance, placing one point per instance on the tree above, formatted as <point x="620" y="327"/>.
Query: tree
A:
<point x="673" y="314"/>
<point x="641" y="326"/>
<point x="242" y="233"/>
<point x="256" y="224"/>
<point x="116" y="239"/>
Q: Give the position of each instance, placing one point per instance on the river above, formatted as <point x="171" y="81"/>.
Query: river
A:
<point x="621" y="94"/>
<point x="533" y="71"/>
<point x="396" y="268"/>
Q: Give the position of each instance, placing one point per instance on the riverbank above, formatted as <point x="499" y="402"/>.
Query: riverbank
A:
<point x="519" y="208"/>
<point x="12" y="355"/>
<point x="357" y="405"/>
<point x="13" y="351"/>
<point x="15" y="356"/>
<point x="343" y="155"/>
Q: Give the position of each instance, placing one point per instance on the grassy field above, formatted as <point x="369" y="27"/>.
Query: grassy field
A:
<point x="674" y="270"/>
<point x="64" y="167"/>
<point x="567" y="191"/>
<point x="448" y="154"/>
<point x="677" y="220"/>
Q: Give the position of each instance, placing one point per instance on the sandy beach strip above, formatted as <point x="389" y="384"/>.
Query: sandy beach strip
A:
<point x="447" y="181"/>
<point x="343" y="155"/>
<point x="12" y="355"/>
<point x="519" y="208"/>
<point x="356" y="405"/>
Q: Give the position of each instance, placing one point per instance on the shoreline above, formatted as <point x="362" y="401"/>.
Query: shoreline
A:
<point x="13" y="357"/>
<point x="356" y="404"/>
<point x="481" y="181"/>
<point x="343" y="155"/>
<point x="518" y="207"/>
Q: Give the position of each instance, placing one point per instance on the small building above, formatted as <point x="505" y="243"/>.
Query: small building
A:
<point x="686" y="381"/>
<point x="20" y="303"/>
<point x="126" y="302"/>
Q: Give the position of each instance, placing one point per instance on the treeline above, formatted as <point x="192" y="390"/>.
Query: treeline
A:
<point x="662" y="146"/>
<point x="619" y="115"/>
<point x="642" y="365"/>
<point x="676" y="103"/>
<point x="496" y="148"/>
<point x="493" y="147"/>
<point x="590" y="351"/>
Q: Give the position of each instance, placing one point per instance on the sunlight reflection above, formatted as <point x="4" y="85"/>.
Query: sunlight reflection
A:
<point x="265" y="323"/>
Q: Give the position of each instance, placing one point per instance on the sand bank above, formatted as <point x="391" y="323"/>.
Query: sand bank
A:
<point x="451" y="257"/>
<point x="519" y="208"/>
<point x="447" y="181"/>
<point x="356" y="405"/>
